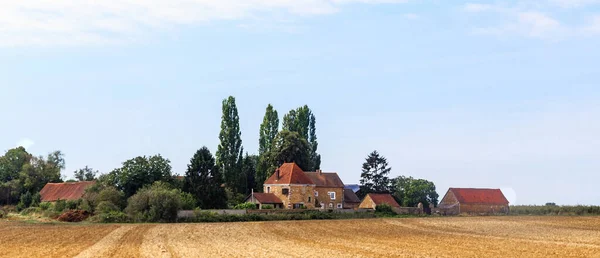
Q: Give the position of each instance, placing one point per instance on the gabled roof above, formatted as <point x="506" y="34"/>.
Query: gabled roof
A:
<point x="354" y="187"/>
<point x="64" y="191"/>
<point x="383" y="198"/>
<point x="479" y="196"/>
<point x="350" y="196"/>
<point x="289" y="173"/>
<point x="325" y="179"/>
<point x="266" y="198"/>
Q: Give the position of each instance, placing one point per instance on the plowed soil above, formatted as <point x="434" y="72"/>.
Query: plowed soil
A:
<point x="418" y="237"/>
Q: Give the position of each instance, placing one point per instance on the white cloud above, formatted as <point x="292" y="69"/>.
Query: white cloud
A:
<point x="476" y="8"/>
<point x="69" y="22"/>
<point x="411" y="16"/>
<point x="592" y="28"/>
<point x="574" y="3"/>
<point x="26" y="143"/>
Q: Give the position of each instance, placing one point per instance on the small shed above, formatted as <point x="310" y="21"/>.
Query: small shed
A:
<point x="474" y="201"/>
<point x="373" y="199"/>
<point x="351" y="201"/>
<point x="64" y="191"/>
<point x="261" y="199"/>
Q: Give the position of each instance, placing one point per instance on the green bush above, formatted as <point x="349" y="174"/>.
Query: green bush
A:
<point x="112" y="195"/>
<point x="113" y="217"/>
<point x="60" y="205"/>
<point x="188" y="202"/>
<point x="31" y="210"/>
<point x="384" y="210"/>
<point x="2" y="214"/>
<point x="208" y="216"/>
<point x="554" y="210"/>
<point x="106" y="207"/>
<point x="45" y="205"/>
<point x="157" y="203"/>
<point x="24" y="201"/>
<point x="267" y="207"/>
<point x="72" y="204"/>
<point x="36" y="199"/>
<point x="85" y="205"/>
<point x="245" y="206"/>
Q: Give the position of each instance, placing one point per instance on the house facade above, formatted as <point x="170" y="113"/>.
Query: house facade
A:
<point x="311" y="190"/>
<point x="474" y="201"/>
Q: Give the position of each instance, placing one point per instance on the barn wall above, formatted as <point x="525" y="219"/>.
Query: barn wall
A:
<point x="367" y="203"/>
<point x="448" y="200"/>
<point x="483" y="208"/>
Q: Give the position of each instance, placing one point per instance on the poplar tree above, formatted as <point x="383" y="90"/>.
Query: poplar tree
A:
<point x="229" y="151"/>
<point x="303" y="121"/>
<point x="268" y="131"/>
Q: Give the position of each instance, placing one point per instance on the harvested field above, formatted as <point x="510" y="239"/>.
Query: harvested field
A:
<point x="415" y="237"/>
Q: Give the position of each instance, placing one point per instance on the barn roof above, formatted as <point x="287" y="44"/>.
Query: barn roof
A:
<point x="266" y="198"/>
<point x="350" y="196"/>
<point x="289" y="173"/>
<point x="324" y="179"/>
<point x="64" y="191"/>
<point x="383" y="198"/>
<point x="479" y="196"/>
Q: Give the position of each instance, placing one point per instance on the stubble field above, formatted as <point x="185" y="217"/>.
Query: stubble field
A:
<point x="418" y="237"/>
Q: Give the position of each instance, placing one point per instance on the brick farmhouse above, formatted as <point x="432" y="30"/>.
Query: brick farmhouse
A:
<point x="373" y="199"/>
<point x="474" y="201"/>
<point x="297" y="188"/>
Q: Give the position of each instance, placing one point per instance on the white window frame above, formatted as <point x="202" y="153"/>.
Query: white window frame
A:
<point x="322" y="205"/>
<point x="268" y="189"/>
<point x="316" y="193"/>
<point x="331" y="205"/>
<point x="339" y="206"/>
<point x="331" y="195"/>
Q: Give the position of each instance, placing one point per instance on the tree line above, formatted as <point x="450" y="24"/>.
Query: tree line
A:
<point x="213" y="181"/>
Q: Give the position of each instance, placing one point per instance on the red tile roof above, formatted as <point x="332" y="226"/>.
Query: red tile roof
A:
<point x="384" y="198"/>
<point x="323" y="179"/>
<point x="64" y="191"/>
<point x="479" y="196"/>
<point x="267" y="198"/>
<point x="350" y="196"/>
<point x="289" y="173"/>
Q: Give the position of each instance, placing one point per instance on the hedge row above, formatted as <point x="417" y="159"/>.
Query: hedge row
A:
<point x="554" y="210"/>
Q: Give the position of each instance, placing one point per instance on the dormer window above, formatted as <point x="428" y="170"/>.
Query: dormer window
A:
<point x="285" y="191"/>
<point x="268" y="189"/>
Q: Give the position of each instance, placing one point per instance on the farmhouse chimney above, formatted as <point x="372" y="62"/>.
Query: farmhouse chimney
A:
<point x="319" y="171"/>
<point x="277" y="174"/>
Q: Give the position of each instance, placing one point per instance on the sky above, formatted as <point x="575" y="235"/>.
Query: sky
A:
<point x="495" y="94"/>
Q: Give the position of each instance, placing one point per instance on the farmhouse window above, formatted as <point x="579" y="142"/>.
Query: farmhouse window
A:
<point x="268" y="189"/>
<point x="285" y="191"/>
<point x="309" y="199"/>
<point x="331" y="205"/>
<point x="339" y="205"/>
<point x="316" y="194"/>
<point x="322" y="206"/>
<point x="332" y="195"/>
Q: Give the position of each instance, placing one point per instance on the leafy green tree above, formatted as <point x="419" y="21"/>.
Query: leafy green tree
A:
<point x="268" y="131"/>
<point x="85" y="174"/>
<point x="12" y="163"/>
<point x="303" y="121"/>
<point x="229" y="151"/>
<point x="289" y="147"/>
<point x="203" y="181"/>
<point x="374" y="176"/>
<point x="410" y="191"/>
<point x="249" y="169"/>
<point x="158" y="202"/>
<point x="39" y="171"/>
<point x="138" y="172"/>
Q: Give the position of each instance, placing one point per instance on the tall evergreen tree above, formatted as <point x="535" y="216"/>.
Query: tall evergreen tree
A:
<point x="289" y="147"/>
<point x="374" y="176"/>
<point x="229" y="151"/>
<point x="268" y="131"/>
<point x="203" y="180"/>
<point x="303" y="121"/>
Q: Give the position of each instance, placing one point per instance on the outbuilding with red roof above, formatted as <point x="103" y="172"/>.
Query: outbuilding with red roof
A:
<point x="64" y="191"/>
<point x="373" y="199"/>
<point x="474" y="201"/>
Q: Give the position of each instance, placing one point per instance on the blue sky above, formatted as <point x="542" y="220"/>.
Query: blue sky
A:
<point x="500" y="94"/>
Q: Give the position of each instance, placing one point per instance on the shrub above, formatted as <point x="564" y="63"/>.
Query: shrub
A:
<point x="74" y="216"/>
<point x="188" y="202"/>
<point x="112" y="195"/>
<point x="113" y="217"/>
<point x="2" y="214"/>
<point x="24" y="201"/>
<point x="72" y="204"/>
<point x="106" y="207"/>
<point x="60" y="205"/>
<point x="31" y="210"/>
<point x="157" y="203"/>
<point x="267" y="207"/>
<point x="51" y="214"/>
<point x="384" y="209"/>
<point x="245" y="206"/>
<point x="35" y="200"/>
<point x="554" y="210"/>
<point x="45" y="205"/>
<point x="85" y="205"/>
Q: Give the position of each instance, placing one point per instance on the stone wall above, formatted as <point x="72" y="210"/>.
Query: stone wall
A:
<point x="323" y="197"/>
<point x="297" y="194"/>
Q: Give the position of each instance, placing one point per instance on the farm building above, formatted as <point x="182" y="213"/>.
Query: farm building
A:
<point x="474" y="201"/>
<point x="351" y="201"/>
<point x="372" y="200"/>
<point x="297" y="188"/>
<point x="64" y="191"/>
<point x="261" y="199"/>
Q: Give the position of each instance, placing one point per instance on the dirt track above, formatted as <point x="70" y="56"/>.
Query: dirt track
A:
<point x="426" y="237"/>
